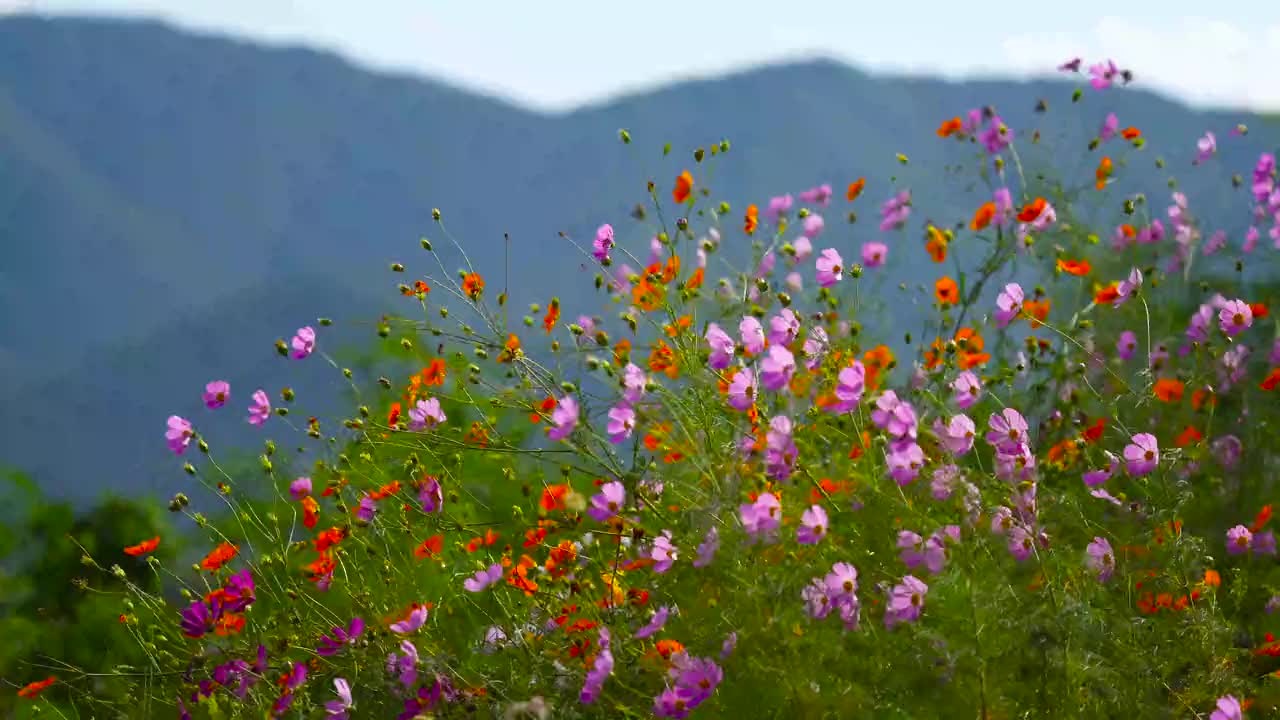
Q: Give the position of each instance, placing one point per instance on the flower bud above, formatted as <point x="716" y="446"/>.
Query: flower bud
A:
<point x="435" y="214"/>
<point x="624" y="136"/>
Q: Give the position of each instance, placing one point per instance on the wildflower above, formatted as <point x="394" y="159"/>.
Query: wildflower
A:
<point x="1235" y="317"/>
<point x="143" y="548"/>
<point x="761" y="518"/>
<point x="742" y="390"/>
<point x="957" y="435"/>
<point x="945" y="291"/>
<point x="722" y="347"/>
<point x="813" y="226"/>
<point x="950" y="127"/>
<point x="1101" y="559"/>
<point x="1239" y="539"/>
<point x="813" y="526"/>
<point x="33" y="690"/>
<point x="1206" y="147"/>
<point x="483" y="578"/>
<point x="1008" y="304"/>
<point x="1168" y="389"/>
<point x="874" y="254"/>
<point x="1126" y="345"/>
<point x="260" y="408"/>
<point x="683" y="188"/>
<point x="1142" y="454"/>
<point x="338" y="637"/>
<point x="219" y="556"/>
<point x="1102" y="74"/>
<point x="417" y="617"/>
<point x="904" y="462"/>
<point x="820" y="195"/>
<point x="855" y="189"/>
<point x="179" y="434"/>
<point x="664" y="553"/>
<point x="1078" y="268"/>
<point x="565" y="418"/>
<point x="427" y="414"/>
<point x="338" y="709"/>
<point x="1228" y="709"/>
<point x="622" y="421"/>
<point x="655" y="624"/>
<point x="304" y="342"/>
<point x="603" y="242"/>
<point x="216" y="394"/>
<point x="850" y="383"/>
<point x="777" y="368"/>
<point x="608" y="502"/>
<point x="906" y="601"/>
<point x="967" y="388"/>
<point x="830" y="268"/>
<point x="997" y="136"/>
<point x="1264" y="543"/>
<point x="784" y="327"/>
<point x="752" y="333"/>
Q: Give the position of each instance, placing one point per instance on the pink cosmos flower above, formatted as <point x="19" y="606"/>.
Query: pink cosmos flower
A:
<point x="216" y="394"/>
<point x="830" y="268"/>
<point x="431" y="495"/>
<point x="260" y="409"/>
<point x="1206" y="147"/>
<point x="426" y="414"/>
<point x="777" y="367"/>
<point x="874" y="254"/>
<point x="722" y="347"/>
<point x="1109" y="127"/>
<point x="655" y="624"/>
<point x="816" y="346"/>
<point x="850" y="383"/>
<point x="905" y="462"/>
<point x="663" y="553"/>
<point x="633" y="382"/>
<point x="820" y="195"/>
<point x="795" y="282"/>
<point x="906" y="601"/>
<point x="179" y="434"/>
<point x="304" y="343"/>
<point x="1128" y="288"/>
<point x="622" y="421"/>
<point x="968" y="388"/>
<point x="608" y="502"/>
<point x="778" y="206"/>
<point x="761" y="518"/>
<point x="603" y="242"/>
<point x="957" y="435"/>
<point x="1238" y="539"/>
<point x="1021" y="543"/>
<point x="340" y="709"/>
<point x="742" y="391"/>
<point x="1235" y="317"/>
<point x="1126" y="345"/>
<point x="707" y="549"/>
<point x="803" y="248"/>
<point x="784" y="327"/>
<point x="483" y="578"/>
<point x="813" y="226"/>
<point x="1228" y="709"/>
<point x="1101" y="559"/>
<point x="1009" y="304"/>
<point x="1008" y="431"/>
<point x="1072" y="65"/>
<point x="417" y="617"/>
<point x="300" y="488"/>
<point x="565" y="418"/>
<point x="813" y="526"/>
<point x="1102" y="74"/>
<point x="1142" y="455"/>
<point x="752" y="333"/>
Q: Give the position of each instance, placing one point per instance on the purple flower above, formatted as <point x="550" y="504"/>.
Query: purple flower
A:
<point x="483" y="578"/>
<point x="850" y="384"/>
<point x="722" y="347"/>
<point x="820" y="195"/>
<point x="784" y="327"/>
<point x="761" y="518"/>
<point x="333" y="643"/>
<point x="778" y="206"/>
<point x="337" y="709"/>
<point x="1008" y="431"/>
<point x="874" y="254"/>
<point x="633" y="383"/>
<point x="1072" y="65"/>
<point x="726" y="648"/>
<point x="906" y="601"/>
<point x="968" y="388"/>
<point x="417" y="617"/>
<point x="300" y="488"/>
<point x="1142" y="455"/>
<point x="1126" y="345"/>
<point x="996" y="137"/>
<point x="198" y="619"/>
<point x="260" y="408"/>
<point x="1128" y="288"/>
<point x="777" y="367"/>
<point x="813" y="225"/>
<point x="894" y="212"/>
<point x="565" y="418"/>
<point x="1238" y="540"/>
<point x="600" y="671"/>
<point x="1020" y="543"/>
<point x="304" y="343"/>
<point x="944" y="481"/>
<point x="367" y="509"/>
<point x="622" y="420"/>
<point x="1009" y="304"/>
<point x="238" y="593"/>
<point x="1235" y="317"/>
<point x="1101" y="559"/>
<point x="1109" y="127"/>
<point x="905" y="463"/>
<point x="742" y="391"/>
<point x="426" y="414"/>
<point x="1264" y="543"/>
<point x="1206" y="147"/>
<point x="1228" y="709"/>
<point x="216" y="394"/>
<point x="830" y="268"/>
<point x="179" y="434"/>
<point x="1102" y="74"/>
<point x="664" y="553"/>
<point x="655" y="624"/>
<point x="957" y="435"/>
<point x="608" y="502"/>
<point x="603" y="242"/>
<point x="813" y="526"/>
<point x="431" y="495"/>
<point x="803" y="248"/>
<point x="707" y="549"/>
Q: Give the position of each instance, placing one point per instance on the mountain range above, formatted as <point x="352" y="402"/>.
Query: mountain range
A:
<point x="172" y="203"/>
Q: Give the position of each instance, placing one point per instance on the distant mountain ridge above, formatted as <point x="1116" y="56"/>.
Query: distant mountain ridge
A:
<point x="171" y="203"/>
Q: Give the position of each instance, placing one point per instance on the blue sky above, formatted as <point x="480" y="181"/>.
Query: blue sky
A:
<point x="556" y="54"/>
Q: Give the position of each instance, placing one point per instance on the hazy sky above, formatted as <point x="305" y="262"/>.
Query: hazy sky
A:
<point x="556" y="54"/>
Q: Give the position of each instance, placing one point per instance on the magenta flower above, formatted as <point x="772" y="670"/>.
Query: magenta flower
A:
<point x="761" y="518"/>
<point x="1206" y="147"/>
<point x="707" y="549"/>
<point x="216" y="394"/>
<point x="816" y="346"/>
<point x="483" y="578"/>
<point x="1102" y="74"/>
<point x="600" y="671"/>
<point x="850" y="384"/>
<point x="664" y="552"/>
<point x="603" y="242"/>
<point x="905" y="462"/>
<point x="179" y="434"/>
<point x="300" y="488"/>
<point x="1004" y="201"/>
<point x="968" y="388"/>
<point x="622" y="421"/>
<point x="778" y="206"/>
<point x="304" y="343"/>
<point x="1228" y="709"/>
<point x="874" y="254"/>
<point x="1142" y="454"/>
<point x="813" y="226"/>
<point x="427" y="414"/>
<point x="1021" y="543"/>
<point x="906" y="601"/>
<point x="260" y="409"/>
<point x="1101" y="559"/>
<point x="339" y="709"/>
<point x="803" y="248"/>
<point x="1126" y="345"/>
<point x="1264" y="543"/>
<point x="1109" y="127"/>
<point x="655" y="624"/>
<point x="742" y="391"/>
<point x="338" y="638"/>
<point x="996" y="137"/>
<point x="830" y="268"/>
<point x="784" y="327"/>
<point x="1235" y="317"/>
<point x="1008" y="431"/>
<point x="1238" y="540"/>
<point x="634" y="382"/>
<point x="417" y="618"/>
<point x="366" y="510"/>
<point x="813" y="526"/>
<point x="431" y="495"/>
<point x="820" y="195"/>
<point x="608" y="502"/>
<point x="1009" y="304"/>
<point x="1072" y="65"/>
<point x="777" y="367"/>
<point x="895" y="211"/>
<point x="752" y="333"/>
<point x="722" y="347"/>
<point x="957" y="435"/>
<point x="565" y="418"/>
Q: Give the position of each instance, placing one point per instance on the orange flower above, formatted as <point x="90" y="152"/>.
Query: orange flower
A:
<point x="1079" y="268"/>
<point x="937" y="245"/>
<point x="219" y="556"/>
<point x="855" y="189"/>
<point x="1212" y="578"/>
<point x="1272" y="379"/>
<point x="1128" y="230"/>
<point x="663" y="359"/>
<point x="478" y="435"/>
<point x="229" y="624"/>
<point x="386" y="491"/>
<point x="510" y="349"/>
<point x="1169" y="389"/>
<point x="143" y="547"/>
<point x="681" y="324"/>
<point x="983" y="216"/>
<point x="490" y="537"/>
<point x="473" y="285"/>
<point x="553" y="497"/>
<point x="667" y="648"/>
<point x="33" y="689"/>
<point x="1261" y="519"/>
<point x="752" y="220"/>
<point x="695" y="280"/>
<point x="671" y="269"/>
<point x="421" y="288"/>
<point x="1106" y="294"/>
<point x="971" y="345"/>
<point x="519" y="578"/>
<point x="1131" y="133"/>
<point x="876" y="360"/>
<point x="552" y="317"/>
<point x="950" y="127"/>
<point x="434" y="373"/>
<point x="622" y="352"/>
<point x="1093" y="433"/>
<point x="1202" y="396"/>
<point x="645" y="296"/>
<point x="1037" y="311"/>
<point x="946" y="291"/>
<point x="1032" y="210"/>
<point x="1103" y="172"/>
<point x="310" y="512"/>
<point x="684" y="187"/>
<point x="393" y="416"/>
<point x="328" y="538"/>
<point x="1187" y="437"/>
<point x="1259" y="310"/>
